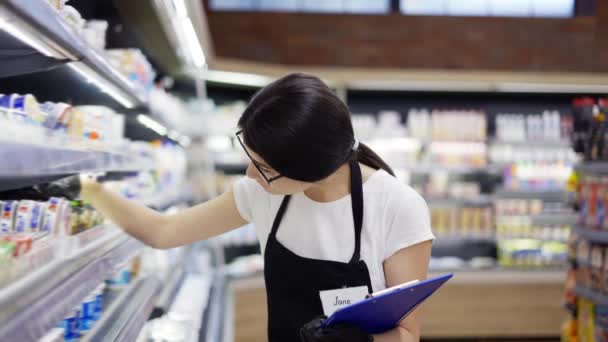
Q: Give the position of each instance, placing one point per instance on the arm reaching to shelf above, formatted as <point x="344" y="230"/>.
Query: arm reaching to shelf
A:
<point x="157" y="230"/>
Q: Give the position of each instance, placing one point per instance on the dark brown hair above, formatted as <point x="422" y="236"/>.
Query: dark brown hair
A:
<point x="303" y="130"/>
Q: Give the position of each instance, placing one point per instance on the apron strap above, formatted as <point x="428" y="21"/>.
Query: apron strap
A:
<point x="279" y="216"/>
<point x="356" y="189"/>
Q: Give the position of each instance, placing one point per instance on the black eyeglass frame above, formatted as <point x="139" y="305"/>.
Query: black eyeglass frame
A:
<point x="254" y="162"/>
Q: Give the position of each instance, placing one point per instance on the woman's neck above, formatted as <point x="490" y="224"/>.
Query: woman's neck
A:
<point x="332" y="188"/>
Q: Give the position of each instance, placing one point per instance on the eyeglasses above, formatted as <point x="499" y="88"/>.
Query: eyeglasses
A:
<point x="257" y="165"/>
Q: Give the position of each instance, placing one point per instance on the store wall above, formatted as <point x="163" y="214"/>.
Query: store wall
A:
<point x="397" y="41"/>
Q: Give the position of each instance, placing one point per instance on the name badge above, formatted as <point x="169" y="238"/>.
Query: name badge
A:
<point x="333" y="300"/>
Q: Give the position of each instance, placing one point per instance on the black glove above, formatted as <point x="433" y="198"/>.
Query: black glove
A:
<point x="313" y="331"/>
<point x="68" y="187"/>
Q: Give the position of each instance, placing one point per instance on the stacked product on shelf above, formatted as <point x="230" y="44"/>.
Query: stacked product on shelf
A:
<point x="89" y="122"/>
<point x="543" y="165"/>
<point x="586" y="285"/>
<point x="132" y="63"/>
<point x="525" y="240"/>
<point x="462" y="222"/>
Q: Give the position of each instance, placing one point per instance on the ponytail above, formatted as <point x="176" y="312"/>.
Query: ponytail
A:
<point x="367" y="156"/>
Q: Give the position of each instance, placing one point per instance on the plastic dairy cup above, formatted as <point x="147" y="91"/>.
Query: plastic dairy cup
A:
<point x="57" y="115"/>
<point x="99" y="291"/>
<point x="88" y="317"/>
<point x="29" y="217"/>
<point x="35" y="224"/>
<point x="7" y="216"/>
<point x="23" y="216"/>
<point x="51" y="217"/>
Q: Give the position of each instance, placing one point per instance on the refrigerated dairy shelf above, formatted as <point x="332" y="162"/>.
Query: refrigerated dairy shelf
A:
<point x="480" y="201"/>
<point x="27" y="160"/>
<point x="126" y="316"/>
<point x="598" y="236"/>
<point x="37" y="24"/>
<point x="34" y="304"/>
<point x="454" y="169"/>
<point x="594" y="296"/>
<point x="546" y="195"/>
<point x="544" y="219"/>
<point x="536" y="144"/>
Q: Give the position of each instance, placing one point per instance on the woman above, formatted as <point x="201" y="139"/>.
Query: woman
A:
<point x="328" y="212"/>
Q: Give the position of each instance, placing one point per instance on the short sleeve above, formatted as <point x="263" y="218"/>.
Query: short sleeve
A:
<point x="246" y="193"/>
<point x="408" y="221"/>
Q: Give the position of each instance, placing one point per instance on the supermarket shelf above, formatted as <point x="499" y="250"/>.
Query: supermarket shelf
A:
<point x="41" y="299"/>
<point x="481" y="201"/>
<point x="45" y="31"/>
<point x="559" y="218"/>
<point x="27" y="163"/>
<point x="599" y="236"/>
<point x="537" y="143"/>
<point x="592" y="295"/>
<point x="506" y="276"/>
<point x="167" y="295"/>
<point x="124" y="319"/>
<point x="231" y="168"/>
<point x="430" y="168"/>
<point x="596" y="167"/>
<point x="212" y="327"/>
<point x="549" y="195"/>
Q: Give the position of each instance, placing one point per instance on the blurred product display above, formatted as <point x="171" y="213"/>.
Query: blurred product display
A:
<point x="586" y="288"/>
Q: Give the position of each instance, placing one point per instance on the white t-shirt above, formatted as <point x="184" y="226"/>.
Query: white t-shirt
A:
<point x="394" y="217"/>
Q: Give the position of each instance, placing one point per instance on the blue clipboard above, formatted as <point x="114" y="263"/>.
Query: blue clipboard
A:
<point x="383" y="312"/>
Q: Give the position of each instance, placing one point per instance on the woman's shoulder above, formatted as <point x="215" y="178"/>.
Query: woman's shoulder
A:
<point x="394" y="193"/>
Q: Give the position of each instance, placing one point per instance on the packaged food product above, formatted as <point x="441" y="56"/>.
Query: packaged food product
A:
<point x="75" y="128"/>
<point x="23" y="243"/>
<point x="584" y="198"/>
<point x="58" y="4"/>
<point x="99" y="292"/>
<point x="73" y="18"/>
<point x="4" y="106"/>
<point x="29" y="216"/>
<point x="592" y="201"/>
<point x="582" y="256"/>
<point x="65" y="217"/>
<point x="28" y="105"/>
<point x="35" y="224"/>
<point x="121" y="277"/>
<point x="601" y="202"/>
<point x="14" y="107"/>
<point x="604" y="283"/>
<point x="52" y="215"/>
<point x="58" y="115"/>
<point x="71" y="325"/>
<point x="601" y="320"/>
<point x="7" y="217"/>
<point x="586" y="320"/>
<point x="597" y="261"/>
<point x="87" y="318"/>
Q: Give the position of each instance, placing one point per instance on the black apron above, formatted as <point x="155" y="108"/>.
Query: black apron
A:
<point x="293" y="282"/>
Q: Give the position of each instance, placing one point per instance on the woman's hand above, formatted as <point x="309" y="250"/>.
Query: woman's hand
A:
<point x="68" y="187"/>
<point x="314" y="331"/>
